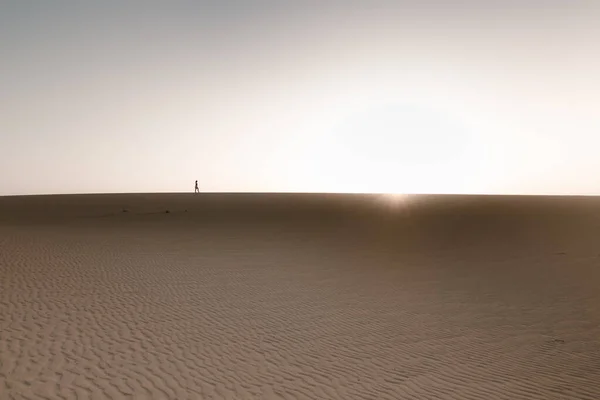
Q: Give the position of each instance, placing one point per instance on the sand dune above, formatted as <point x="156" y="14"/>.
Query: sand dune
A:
<point x="256" y="296"/>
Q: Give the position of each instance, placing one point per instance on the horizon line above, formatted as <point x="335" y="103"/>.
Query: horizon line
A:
<point x="305" y="193"/>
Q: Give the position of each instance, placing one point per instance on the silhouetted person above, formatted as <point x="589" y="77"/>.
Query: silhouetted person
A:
<point x="196" y="190"/>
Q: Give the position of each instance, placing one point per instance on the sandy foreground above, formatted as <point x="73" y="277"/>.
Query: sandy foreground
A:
<point x="257" y="296"/>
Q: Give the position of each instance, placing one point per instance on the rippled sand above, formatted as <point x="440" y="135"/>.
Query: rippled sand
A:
<point x="299" y="297"/>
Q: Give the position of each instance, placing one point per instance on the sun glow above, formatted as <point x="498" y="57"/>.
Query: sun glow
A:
<point x="396" y="201"/>
<point x="391" y="147"/>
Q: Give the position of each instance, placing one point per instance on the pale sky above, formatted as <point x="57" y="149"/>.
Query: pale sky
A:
<point x="312" y="96"/>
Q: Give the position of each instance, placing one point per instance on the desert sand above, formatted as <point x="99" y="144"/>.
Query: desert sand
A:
<point x="288" y="296"/>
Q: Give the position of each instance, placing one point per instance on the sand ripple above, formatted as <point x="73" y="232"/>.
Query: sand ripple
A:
<point x="162" y="310"/>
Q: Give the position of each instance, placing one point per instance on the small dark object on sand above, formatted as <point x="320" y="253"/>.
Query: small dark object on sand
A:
<point x="125" y="210"/>
<point x="167" y="212"/>
<point x="556" y="341"/>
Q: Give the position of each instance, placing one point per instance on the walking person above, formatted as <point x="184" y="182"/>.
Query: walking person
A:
<point x="196" y="190"/>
